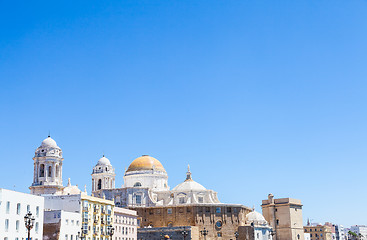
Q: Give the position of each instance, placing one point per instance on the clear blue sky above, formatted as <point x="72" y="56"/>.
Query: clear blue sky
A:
<point x="257" y="96"/>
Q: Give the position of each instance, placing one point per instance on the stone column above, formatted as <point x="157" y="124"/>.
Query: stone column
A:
<point x="53" y="172"/>
<point x="60" y="173"/>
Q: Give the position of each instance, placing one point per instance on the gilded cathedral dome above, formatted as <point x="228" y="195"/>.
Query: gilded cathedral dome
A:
<point x="145" y="162"/>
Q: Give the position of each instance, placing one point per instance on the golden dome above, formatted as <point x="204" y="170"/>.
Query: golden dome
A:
<point x="145" y="162"/>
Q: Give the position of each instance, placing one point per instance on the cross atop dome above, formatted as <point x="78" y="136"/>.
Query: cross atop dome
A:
<point x="188" y="174"/>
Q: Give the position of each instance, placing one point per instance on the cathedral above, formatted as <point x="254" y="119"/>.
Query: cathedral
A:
<point x="146" y="190"/>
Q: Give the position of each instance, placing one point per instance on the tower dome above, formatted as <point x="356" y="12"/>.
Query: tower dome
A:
<point x="49" y="142"/>
<point x="104" y="161"/>
<point x="146" y="162"/>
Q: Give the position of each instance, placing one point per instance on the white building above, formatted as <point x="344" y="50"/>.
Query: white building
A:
<point x="339" y="232"/>
<point x="307" y="236"/>
<point x="360" y="230"/>
<point x="125" y="224"/>
<point x="66" y="224"/>
<point x="96" y="215"/>
<point x="13" y="207"/>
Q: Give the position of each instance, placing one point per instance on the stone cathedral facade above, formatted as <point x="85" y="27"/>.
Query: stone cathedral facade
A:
<point x="146" y="190"/>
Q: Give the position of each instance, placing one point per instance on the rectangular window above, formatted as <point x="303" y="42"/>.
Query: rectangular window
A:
<point x="17" y="225"/>
<point x="85" y="228"/>
<point x="181" y="200"/>
<point x="71" y="237"/>
<point x="219" y="234"/>
<point x="37" y="211"/>
<point x="169" y="210"/>
<point x="85" y="217"/>
<point x="67" y="222"/>
<point x="28" y="208"/>
<point x="138" y="199"/>
<point x="18" y="208"/>
<point x="218" y="210"/>
<point x="66" y="237"/>
<point x="7" y="207"/>
<point x="200" y="199"/>
<point x="6" y="225"/>
<point x="109" y="210"/>
<point x="36" y="227"/>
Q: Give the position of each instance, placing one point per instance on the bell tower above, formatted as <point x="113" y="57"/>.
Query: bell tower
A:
<point x="47" y="175"/>
<point x="103" y="175"/>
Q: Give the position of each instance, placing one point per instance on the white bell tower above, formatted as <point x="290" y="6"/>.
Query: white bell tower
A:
<point x="47" y="176"/>
<point x="103" y="175"/>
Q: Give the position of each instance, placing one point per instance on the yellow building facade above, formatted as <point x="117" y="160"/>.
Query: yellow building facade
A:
<point x="97" y="217"/>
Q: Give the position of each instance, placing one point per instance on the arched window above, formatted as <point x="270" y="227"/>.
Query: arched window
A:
<point x="42" y="170"/>
<point x="49" y="171"/>
<point x="99" y="184"/>
<point x="137" y="184"/>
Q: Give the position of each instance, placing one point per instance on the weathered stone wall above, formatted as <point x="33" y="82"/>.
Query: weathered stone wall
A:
<point x="175" y="233"/>
<point x="221" y="221"/>
<point x="246" y="233"/>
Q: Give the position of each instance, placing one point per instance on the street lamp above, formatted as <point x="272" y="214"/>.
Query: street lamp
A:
<point x="204" y="232"/>
<point x="236" y="234"/>
<point x="184" y="233"/>
<point x="81" y="233"/>
<point x="29" y="223"/>
<point x="111" y="231"/>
